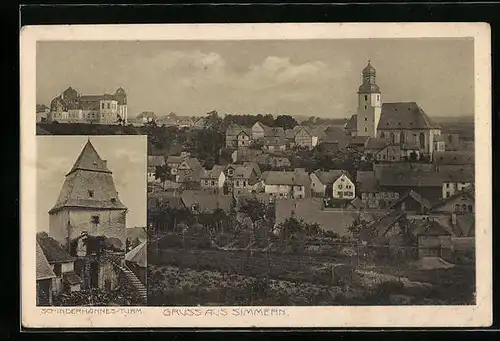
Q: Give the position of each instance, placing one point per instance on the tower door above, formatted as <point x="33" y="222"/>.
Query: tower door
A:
<point x="94" y="275"/>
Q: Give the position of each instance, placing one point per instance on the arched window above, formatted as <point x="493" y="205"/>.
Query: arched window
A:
<point x="366" y="98"/>
<point x="402" y="137"/>
<point x="457" y="207"/>
<point x="422" y="141"/>
<point x="393" y="138"/>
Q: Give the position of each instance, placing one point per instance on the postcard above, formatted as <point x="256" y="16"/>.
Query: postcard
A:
<point x="256" y="175"/>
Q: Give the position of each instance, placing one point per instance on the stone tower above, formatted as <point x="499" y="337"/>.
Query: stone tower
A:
<point x="88" y="202"/>
<point x="369" y="104"/>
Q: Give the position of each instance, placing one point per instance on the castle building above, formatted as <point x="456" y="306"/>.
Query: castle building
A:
<point x="89" y="221"/>
<point x="403" y="124"/>
<point x="72" y="107"/>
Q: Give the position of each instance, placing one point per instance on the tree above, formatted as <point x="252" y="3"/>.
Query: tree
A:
<point x="358" y="225"/>
<point x="254" y="209"/>
<point x="285" y="121"/>
<point x="162" y="173"/>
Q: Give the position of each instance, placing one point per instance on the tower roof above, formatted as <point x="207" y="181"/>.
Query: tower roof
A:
<point x="369" y="69"/>
<point x="89" y="184"/>
<point x="89" y="159"/>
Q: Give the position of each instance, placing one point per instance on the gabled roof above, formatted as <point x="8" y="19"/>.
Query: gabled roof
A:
<point x="156" y="160"/>
<point x="415" y="196"/>
<point x="352" y="123"/>
<point x="429" y="228"/>
<point x="376" y="143"/>
<point x="205" y="201"/>
<point x="138" y="255"/>
<point x="468" y="191"/>
<point x="328" y="177"/>
<point x="71" y="278"/>
<point x="176" y="158"/>
<point x="53" y="250"/>
<point x="43" y="269"/>
<point x="274" y="131"/>
<point x="287" y="178"/>
<point x="404" y="115"/>
<point x="234" y="130"/>
<point x="358" y="140"/>
<point x="335" y="134"/>
<point x="253" y="165"/>
<point x="381" y="226"/>
<point x="453" y="158"/>
<point x="398" y="178"/>
<point x="212" y="174"/>
<point x="90" y="160"/>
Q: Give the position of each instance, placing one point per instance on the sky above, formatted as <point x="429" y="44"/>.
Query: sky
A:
<point x="127" y="160"/>
<point x="298" y="77"/>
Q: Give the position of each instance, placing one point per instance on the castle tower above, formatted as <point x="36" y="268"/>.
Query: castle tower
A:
<point x="88" y="202"/>
<point x="369" y="104"/>
<point x="121" y="97"/>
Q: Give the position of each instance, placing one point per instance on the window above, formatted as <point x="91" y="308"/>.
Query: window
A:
<point x="237" y="183"/>
<point x="402" y="137"/>
<point x="366" y="99"/>
<point x="447" y="185"/>
<point x="422" y="140"/>
<point x="57" y="269"/>
<point x="393" y="138"/>
<point x="382" y="135"/>
<point x="213" y="183"/>
<point x="102" y="105"/>
<point x="94" y="219"/>
<point x="365" y="107"/>
<point x="470" y="208"/>
<point x="339" y="186"/>
<point x="366" y="129"/>
<point x="91" y="193"/>
<point x="366" y="119"/>
<point x="108" y="105"/>
<point x="378" y="97"/>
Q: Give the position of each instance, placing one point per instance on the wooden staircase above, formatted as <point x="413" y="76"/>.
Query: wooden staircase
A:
<point x="134" y="281"/>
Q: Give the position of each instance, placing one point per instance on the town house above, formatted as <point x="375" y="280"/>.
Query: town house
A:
<point x="283" y="184"/>
<point x="173" y="161"/>
<point x="189" y="171"/>
<point x="213" y="179"/>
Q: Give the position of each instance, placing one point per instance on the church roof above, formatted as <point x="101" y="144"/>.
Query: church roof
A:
<point x="404" y="115"/>
<point x="89" y="184"/>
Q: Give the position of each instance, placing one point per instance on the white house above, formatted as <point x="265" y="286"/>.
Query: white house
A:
<point x="213" y="179"/>
<point x="343" y="188"/>
<point x="322" y="181"/>
<point x="455" y="181"/>
<point x="284" y="185"/>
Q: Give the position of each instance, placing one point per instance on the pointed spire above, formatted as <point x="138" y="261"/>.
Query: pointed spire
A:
<point x="89" y="160"/>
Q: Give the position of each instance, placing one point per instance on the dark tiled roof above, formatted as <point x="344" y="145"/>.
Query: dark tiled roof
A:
<point x="352" y="124"/>
<point x="367" y="182"/>
<point x="468" y="191"/>
<point x="382" y="225"/>
<point x="376" y="143"/>
<point x="43" y="269"/>
<point x="399" y="178"/>
<point x="156" y="160"/>
<point x="138" y="255"/>
<point x="53" y="251"/>
<point x="89" y="159"/>
<point x="205" y="201"/>
<point x="404" y="115"/>
<point x="273" y="131"/>
<point x="176" y="158"/>
<point x="287" y="178"/>
<point x="429" y="228"/>
<point x="72" y="278"/>
<point x="274" y="141"/>
<point x="415" y="196"/>
<point x="453" y="158"/>
<point x="89" y="184"/>
<point x="212" y="174"/>
<point x="358" y="140"/>
<point x="328" y="177"/>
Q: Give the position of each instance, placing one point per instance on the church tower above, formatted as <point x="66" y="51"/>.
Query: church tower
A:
<point x="369" y="104"/>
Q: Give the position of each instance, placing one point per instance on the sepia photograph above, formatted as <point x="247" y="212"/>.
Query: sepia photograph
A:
<point x="256" y="177"/>
<point x="91" y="237"/>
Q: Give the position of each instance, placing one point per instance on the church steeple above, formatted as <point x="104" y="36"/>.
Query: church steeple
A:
<point x="369" y="80"/>
<point x="369" y="103"/>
